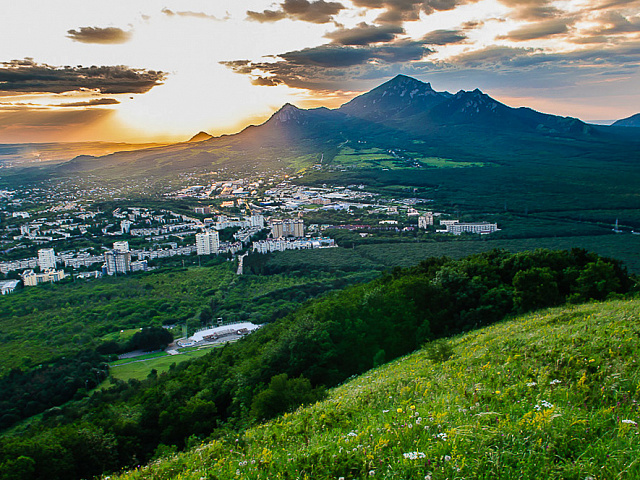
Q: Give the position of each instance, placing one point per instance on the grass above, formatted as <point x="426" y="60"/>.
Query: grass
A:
<point x="139" y="368"/>
<point x="438" y="162"/>
<point x="554" y="394"/>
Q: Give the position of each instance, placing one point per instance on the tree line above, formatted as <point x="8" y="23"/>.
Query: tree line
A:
<point x="294" y="359"/>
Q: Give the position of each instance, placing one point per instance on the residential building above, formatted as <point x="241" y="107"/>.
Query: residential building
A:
<point x="293" y="227"/>
<point x="425" y="220"/>
<point x="31" y="279"/>
<point x="207" y="243"/>
<point x="139" y="266"/>
<point x="482" y="228"/>
<point x="203" y="210"/>
<point x="122" y="246"/>
<point x="125" y="226"/>
<point x="117" y="262"/>
<point x="8" y="286"/>
<point x="46" y="258"/>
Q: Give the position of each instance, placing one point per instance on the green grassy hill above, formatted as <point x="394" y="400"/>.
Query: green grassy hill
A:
<point x="553" y="394"/>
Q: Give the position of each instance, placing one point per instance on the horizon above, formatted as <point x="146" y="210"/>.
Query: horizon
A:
<point x="162" y="73"/>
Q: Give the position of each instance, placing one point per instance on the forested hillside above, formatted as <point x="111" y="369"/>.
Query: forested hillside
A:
<point x="550" y="395"/>
<point x="293" y="360"/>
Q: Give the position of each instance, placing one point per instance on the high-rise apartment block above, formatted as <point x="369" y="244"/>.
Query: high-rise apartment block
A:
<point x="46" y="259"/>
<point x="293" y="227"/>
<point x="117" y="262"/>
<point x="207" y="243"/>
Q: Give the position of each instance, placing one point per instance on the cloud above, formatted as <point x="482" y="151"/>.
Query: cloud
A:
<point x="90" y="103"/>
<point x="443" y="37"/>
<point x="103" y="36"/>
<point x="399" y="11"/>
<point x="538" y="30"/>
<point x="317" y="11"/>
<point x="27" y="76"/>
<point x="326" y="66"/>
<point x="613" y="23"/>
<point x="365" y="34"/>
<point x="202" y="15"/>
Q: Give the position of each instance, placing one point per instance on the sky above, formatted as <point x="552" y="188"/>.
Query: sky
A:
<point x="147" y="70"/>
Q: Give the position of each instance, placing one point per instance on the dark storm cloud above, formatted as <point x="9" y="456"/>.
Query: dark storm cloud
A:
<point x="320" y="68"/>
<point x="443" y="37"/>
<point x="365" y="34"/>
<point x="27" y="76"/>
<point x="307" y="11"/>
<point x="90" y="103"/>
<point x="104" y="36"/>
<point x="538" y="30"/>
<point x="202" y="15"/>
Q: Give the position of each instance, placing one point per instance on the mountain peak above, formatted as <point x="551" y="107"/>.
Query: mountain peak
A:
<point x="288" y="113"/>
<point x="200" y="137"/>
<point x="394" y="96"/>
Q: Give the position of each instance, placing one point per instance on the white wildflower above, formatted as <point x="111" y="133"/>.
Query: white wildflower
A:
<point x="543" y="404"/>
<point x="442" y="436"/>
<point x="413" y="455"/>
<point x="447" y="458"/>
<point x="630" y="422"/>
<point x="531" y="384"/>
<point x="554" y="382"/>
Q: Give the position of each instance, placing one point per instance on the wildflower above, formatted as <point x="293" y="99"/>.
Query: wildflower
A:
<point x="427" y="477"/>
<point x="630" y="422"/>
<point x="352" y="434"/>
<point x="442" y="436"/>
<point x="385" y="411"/>
<point x="372" y="473"/>
<point x="543" y="404"/>
<point x="399" y="410"/>
<point x="554" y="382"/>
<point x="418" y="420"/>
<point x="531" y="384"/>
<point x="447" y="458"/>
<point x="413" y="455"/>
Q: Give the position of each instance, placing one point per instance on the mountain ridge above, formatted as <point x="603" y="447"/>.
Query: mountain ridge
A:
<point x="632" y="121"/>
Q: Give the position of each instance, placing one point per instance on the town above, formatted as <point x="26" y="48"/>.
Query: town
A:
<point x="81" y="239"/>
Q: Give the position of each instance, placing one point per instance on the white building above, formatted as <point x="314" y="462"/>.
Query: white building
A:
<point x="139" y="266"/>
<point x="125" y="226"/>
<point x="8" y="286"/>
<point x="482" y="228"/>
<point x="425" y="220"/>
<point x="122" y="246"/>
<point x="31" y="279"/>
<point x="46" y="258"/>
<point x="117" y="262"/>
<point x="207" y="243"/>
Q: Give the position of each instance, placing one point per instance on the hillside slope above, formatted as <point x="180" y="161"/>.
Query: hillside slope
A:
<point x="552" y="394"/>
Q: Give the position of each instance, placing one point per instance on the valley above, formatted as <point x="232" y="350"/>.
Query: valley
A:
<point x="350" y="223"/>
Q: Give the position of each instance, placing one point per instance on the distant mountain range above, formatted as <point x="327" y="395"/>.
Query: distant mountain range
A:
<point x="401" y="115"/>
<point x="632" y="121"/>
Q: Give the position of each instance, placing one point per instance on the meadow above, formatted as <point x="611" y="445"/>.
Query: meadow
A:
<point x="552" y="394"/>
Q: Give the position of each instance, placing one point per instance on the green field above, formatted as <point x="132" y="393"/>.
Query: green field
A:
<point x="508" y="401"/>
<point x="139" y="368"/>
<point x="392" y="253"/>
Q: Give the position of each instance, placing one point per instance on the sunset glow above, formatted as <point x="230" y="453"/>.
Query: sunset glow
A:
<point x="149" y="71"/>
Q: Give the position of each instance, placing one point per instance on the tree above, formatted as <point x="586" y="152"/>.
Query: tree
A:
<point x="535" y="288"/>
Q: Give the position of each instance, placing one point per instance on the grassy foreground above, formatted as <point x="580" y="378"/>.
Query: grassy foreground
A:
<point x="554" y="394"/>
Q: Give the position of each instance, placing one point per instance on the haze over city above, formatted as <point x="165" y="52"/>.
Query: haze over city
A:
<point x="162" y="71"/>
